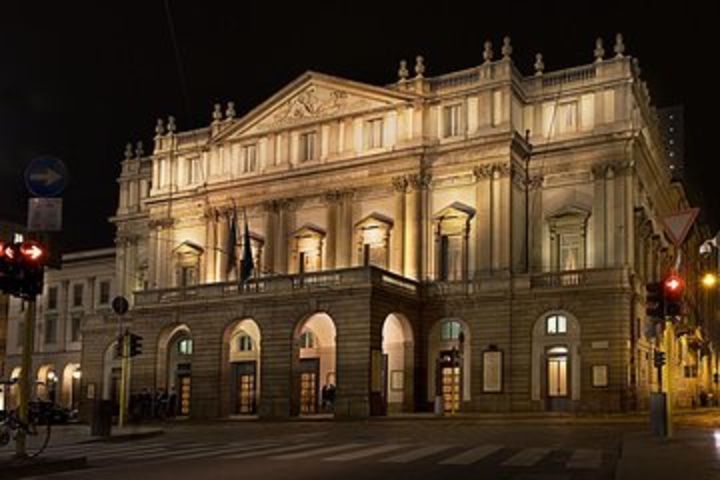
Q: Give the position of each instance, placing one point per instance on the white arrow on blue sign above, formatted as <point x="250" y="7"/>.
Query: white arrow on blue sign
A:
<point x="46" y="176"/>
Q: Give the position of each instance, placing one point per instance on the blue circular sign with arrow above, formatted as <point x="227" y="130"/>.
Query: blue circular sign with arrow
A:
<point x="46" y="176"/>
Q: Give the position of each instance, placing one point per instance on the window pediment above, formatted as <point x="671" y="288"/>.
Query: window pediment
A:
<point x="188" y="248"/>
<point x="309" y="231"/>
<point x="570" y="217"/>
<point x="375" y="220"/>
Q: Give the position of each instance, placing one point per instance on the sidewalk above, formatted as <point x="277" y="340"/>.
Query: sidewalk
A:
<point x="692" y="454"/>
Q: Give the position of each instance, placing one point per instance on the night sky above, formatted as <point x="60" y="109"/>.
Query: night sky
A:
<point x="80" y="79"/>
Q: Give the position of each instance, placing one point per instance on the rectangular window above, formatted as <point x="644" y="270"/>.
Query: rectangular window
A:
<point x="566" y="121"/>
<point x="193" y="171"/>
<point x="451" y="120"/>
<point x="104" y="292"/>
<point x="185" y="346"/>
<point x="308" y="146"/>
<point x="75" y="324"/>
<point x="249" y="158"/>
<point x="77" y="295"/>
<point x="50" y="329"/>
<point x="570" y="251"/>
<point x="187" y="276"/>
<point x="52" y="299"/>
<point x="374" y="133"/>
<point x="556" y="324"/>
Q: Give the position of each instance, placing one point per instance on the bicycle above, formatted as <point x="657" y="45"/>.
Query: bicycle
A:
<point x="12" y="425"/>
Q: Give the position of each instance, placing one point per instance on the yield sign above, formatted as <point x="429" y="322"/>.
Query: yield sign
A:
<point x="678" y="224"/>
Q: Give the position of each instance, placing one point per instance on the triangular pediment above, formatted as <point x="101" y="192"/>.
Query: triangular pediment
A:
<point x="373" y="220"/>
<point x="455" y="210"/>
<point x="310" y="98"/>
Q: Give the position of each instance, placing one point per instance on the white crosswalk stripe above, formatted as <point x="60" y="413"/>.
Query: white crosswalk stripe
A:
<point x="585" y="458"/>
<point x="526" y="457"/>
<point x="365" y="452"/>
<point x="471" y="456"/>
<point x="417" y="454"/>
<point x="228" y="449"/>
<point x="271" y="451"/>
<point x="319" y="451"/>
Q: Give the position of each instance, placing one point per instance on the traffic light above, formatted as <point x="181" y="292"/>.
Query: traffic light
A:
<point x="21" y="268"/>
<point x="655" y="300"/>
<point x="673" y="289"/>
<point x="135" y="344"/>
<point x="659" y="358"/>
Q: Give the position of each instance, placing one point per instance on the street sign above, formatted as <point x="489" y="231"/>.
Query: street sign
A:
<point x="44" y="215"/>
<point x="678" y="224"/>
<point x="46" y="176"/>
<point x="120" y="305"/>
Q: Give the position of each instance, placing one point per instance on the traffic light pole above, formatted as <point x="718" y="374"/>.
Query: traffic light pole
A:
<point x="124" y="380"/>
<point x="26" y="368"/>
<point x="668" y="337"/>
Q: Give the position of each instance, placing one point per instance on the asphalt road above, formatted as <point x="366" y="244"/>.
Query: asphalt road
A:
<point x="412" y="449"/>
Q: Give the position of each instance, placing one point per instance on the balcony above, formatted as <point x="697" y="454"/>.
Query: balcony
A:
<point x="281" y="285"/>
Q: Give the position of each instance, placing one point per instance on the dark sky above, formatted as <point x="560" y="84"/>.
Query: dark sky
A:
<point x="80" y="79"/>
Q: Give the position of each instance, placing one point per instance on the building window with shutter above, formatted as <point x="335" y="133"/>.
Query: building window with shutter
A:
<point x="451" y="120"/>
<point x="374" y="133"/>
<point x="308" y="146"/>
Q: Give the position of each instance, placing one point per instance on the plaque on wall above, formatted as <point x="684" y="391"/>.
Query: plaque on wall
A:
<point x="91" y="391"/>
<point x="600" y="375"/>
<point x="397" y="379"/>
<point x="492" y="371"/>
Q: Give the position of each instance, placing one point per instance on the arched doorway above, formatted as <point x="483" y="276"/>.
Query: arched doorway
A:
<point x="242" y="344"/>
<point x="112" y="376"/>
<point x="449" y="372"/>
<point x="556" y="361"/>
<point x="398" y="364"/>
<point x="46" y="383"/>
<point x="314" y="369"/>
<point x="175" y="353"/>
<point x="71" y="385"/>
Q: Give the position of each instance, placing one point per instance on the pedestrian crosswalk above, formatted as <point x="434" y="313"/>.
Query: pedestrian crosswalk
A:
<point x="280" y="450"/>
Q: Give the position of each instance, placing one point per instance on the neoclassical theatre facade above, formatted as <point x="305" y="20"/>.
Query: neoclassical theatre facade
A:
<point x="474" y="241"/>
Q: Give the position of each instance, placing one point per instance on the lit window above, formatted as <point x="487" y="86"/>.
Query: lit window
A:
<point x="307" y="339"/>
<point x="193" y="171"/>
<point x="307" y="146"/>
<point x="556" y="325"/>
<point x="185" y="346"/>
<point x="374" y="133"/>
<point x="245" y="343"/>
<point x="451" y="120"/>
<point x="450" y="330"/>
<point x="249" y="158"/>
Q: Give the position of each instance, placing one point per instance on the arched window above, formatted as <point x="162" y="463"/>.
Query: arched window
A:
<point x="245" y="343"/>
<point x="556" y="325"/>
<point x="450" y="330"/>
<point x="185" y="346"/>
<point x="307" y="339"/>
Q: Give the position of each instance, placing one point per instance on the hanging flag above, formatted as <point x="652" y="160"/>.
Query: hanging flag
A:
<point x="230" y="247"/>
<point x="246" y="264"/>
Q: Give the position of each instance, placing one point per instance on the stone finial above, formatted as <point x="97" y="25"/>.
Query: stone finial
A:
<point x="619" y="45"/>
<point x="488" y="51"/>
<point x="128" y="151"/>
<point x="599" y="51"/>
<point x="539" y="64"/>
<point x="636" y="65"/>
<point x="506" y="48"/>
<point x="139" y="152"/>
<point x="419" y="66"/>
<point x="217" y="113"/>
<point x="230" y="110"/>
<point x="171" y="124"/>
<point x="159" y="128"/>
<point x="403" y="73"/>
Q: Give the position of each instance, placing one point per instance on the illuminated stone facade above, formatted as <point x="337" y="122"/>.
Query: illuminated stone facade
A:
<point x="393" y="254"/>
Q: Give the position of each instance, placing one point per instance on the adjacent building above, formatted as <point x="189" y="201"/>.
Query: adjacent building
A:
<point x="472" y="241"/>
<point x="84" y="286"/>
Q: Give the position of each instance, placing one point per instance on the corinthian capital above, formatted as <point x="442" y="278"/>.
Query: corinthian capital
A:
<point x="400" y="184"/>
<point x="419" y="181"/>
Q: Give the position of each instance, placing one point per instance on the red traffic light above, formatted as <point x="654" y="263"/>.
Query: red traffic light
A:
<point x="32" y="251"/>
<point x="2" y="249"/>
<point x="673" y="286"/>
